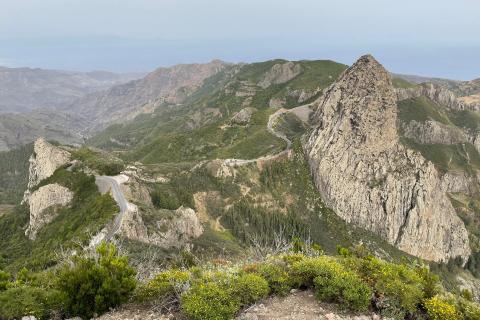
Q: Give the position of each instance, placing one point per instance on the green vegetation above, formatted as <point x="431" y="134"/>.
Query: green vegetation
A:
<point x="14" y="174"/>
<point x="74" y="224"/>
<point x="188" y="132"/>
<point x="291" y="126"/>
<point x="104" y="163"/>
<point x="93" y="285"/>
<point x="402" y="83"/>
<point x="90" y="284"/>
<point x="249" y="223"/>
<point x="439" y="308"/>
<point x="461" y="156"/>
<point x="20" y="301"/>
<point x="422" y="109"/>
<point x="466" y="119"/>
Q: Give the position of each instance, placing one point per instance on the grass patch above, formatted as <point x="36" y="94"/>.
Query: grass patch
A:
<point x="402" y="83"/>
<point x="422" y="109"/>
<point x="462" y="156"/>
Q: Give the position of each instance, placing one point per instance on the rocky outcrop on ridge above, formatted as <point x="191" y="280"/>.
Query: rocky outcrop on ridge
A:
<point x="43" y="204"/>
<point x="369" y="178"/>
<point x="173" y="232"/>
<point x="280" y="73"/>
<point x="46" y="158"/>
<point x="438" y="94"/>
<point x="243" y="116"/>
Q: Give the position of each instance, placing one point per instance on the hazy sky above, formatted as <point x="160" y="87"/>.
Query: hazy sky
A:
<point x="426" y="37"/>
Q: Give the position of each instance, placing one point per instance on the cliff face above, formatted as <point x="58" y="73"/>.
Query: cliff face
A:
<point x="46" y="158"/>
<point x="440" y="95"/>
<point x="369" y="178"/>
<point x="433" y="132"/>
<point x="43" y="202"/>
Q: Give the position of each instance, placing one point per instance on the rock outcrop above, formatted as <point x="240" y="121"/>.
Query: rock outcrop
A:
<point x="433" y="132"/>
<point x="173" y="232"/>
<point x="280" y="73"/>
<point x="46" y="158"/>
<point x="438" y="94"/>
<point x="369" y="178"/>
<point x="243" y="116"/>
<point x="45" y="201"/>
<point x="43" y="205"/>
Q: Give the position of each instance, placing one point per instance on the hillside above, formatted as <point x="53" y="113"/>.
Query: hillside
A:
<point x="221" y="171"/>
<point x="123" y="102"/>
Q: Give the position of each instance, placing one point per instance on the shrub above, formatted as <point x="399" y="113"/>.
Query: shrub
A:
<point x="250" y="288"/>
<point x="4" y="280"/>
<point x="209" y="301"/>
<point x="439" y="308"/>
<point x="277" y="277"/>
<point x="20" y="301"/>
<point x="163" y="285"/>
<point x="470" y="310"/>
<point x="430" y="281"/>
<point x="343" y="287"/>
<point x="93" y="286"/>
<point x="399" y="288"/>
<point x="305" y="271"/>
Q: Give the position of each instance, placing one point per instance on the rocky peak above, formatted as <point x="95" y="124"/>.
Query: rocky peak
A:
<point x="369" y="178"/>
<point x="360" y="109"/>
<point x="46" y="158"/>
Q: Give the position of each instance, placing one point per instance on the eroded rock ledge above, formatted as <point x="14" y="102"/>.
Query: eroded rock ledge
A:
<point x="369" y="178"/>
<point x="43" y="204"/>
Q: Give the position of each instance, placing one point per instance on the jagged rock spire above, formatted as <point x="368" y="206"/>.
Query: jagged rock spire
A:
<point x="369" y="178"/>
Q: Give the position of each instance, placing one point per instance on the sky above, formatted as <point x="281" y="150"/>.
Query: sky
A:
<point x="425" y="37"/>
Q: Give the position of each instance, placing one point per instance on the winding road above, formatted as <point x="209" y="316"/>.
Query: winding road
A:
<point x="107" y="183"/>
<point x="301" y="112"/>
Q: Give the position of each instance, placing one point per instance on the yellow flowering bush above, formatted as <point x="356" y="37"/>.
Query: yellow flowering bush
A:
<point x="439" y="308"/>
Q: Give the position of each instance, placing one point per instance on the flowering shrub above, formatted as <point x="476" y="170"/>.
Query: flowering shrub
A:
<point x="439" y="308"/>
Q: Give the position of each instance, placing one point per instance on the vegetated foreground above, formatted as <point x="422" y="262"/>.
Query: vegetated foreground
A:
<point x="358" y="284"/>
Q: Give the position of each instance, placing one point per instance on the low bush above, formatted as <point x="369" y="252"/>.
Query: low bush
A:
<point x="94" y="285"/>
<point x="439" y="308"/>
<point x="209" y="301"/>
<point x="17" y="302"/>
<point x="166" y="284"/>
<point x="250" y="288"/>
<point x="306" y="270"/>
<point x="277" y="276"/>
<point x="399" y="288"/>
<point x="332" y="283"/>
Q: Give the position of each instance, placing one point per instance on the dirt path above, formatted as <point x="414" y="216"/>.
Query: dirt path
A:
<point x="299" y="305"/>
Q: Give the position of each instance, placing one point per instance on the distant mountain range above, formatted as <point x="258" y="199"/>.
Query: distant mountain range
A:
<point x="25" y="89"/>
